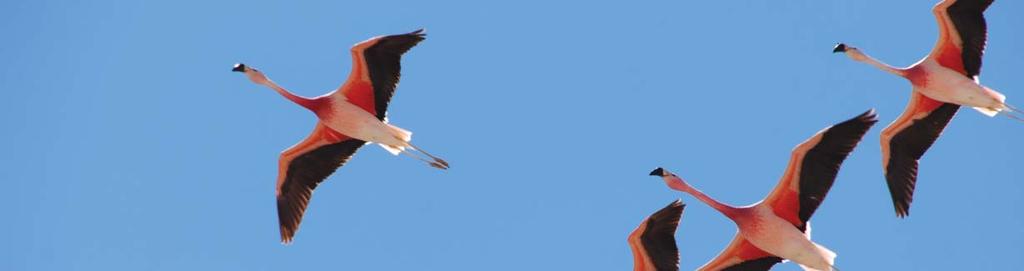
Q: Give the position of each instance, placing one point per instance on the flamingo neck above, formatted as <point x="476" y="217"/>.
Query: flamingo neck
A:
<point x="862" y="57"/>
<point x="311" y="104"/>
<point x="723" y="208"/>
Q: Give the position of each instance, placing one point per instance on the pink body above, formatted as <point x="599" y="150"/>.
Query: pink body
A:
<point x="759" y="225"/>
<point x="341" y="116"/>
<point x="351" y="120"/>
<point x="769" y="232"/>
<point x="946" y="85"/>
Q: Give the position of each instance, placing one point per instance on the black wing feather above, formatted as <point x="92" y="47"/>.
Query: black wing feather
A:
<point x="659" y="237"/>
<point x="906" y="148"/>
<point x="969" y="18"/>
<point x="383" y="61"/>
<point x="821" y="163"/>
<point x="305" y="172"/>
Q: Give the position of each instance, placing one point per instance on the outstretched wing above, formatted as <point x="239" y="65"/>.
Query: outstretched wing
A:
<point x="378" y="60"/>
<point x="654" y="243"/>
<point x="304" y="166"/>
<point x="962" y="35"/>
<point x="906" y="139"/>
<point x="813" y="167"/>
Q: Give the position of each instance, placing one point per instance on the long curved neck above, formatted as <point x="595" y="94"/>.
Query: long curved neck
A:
<point x="862" y="57"/>
<point x="723" y="208"/>
<point x="303" y="101"/>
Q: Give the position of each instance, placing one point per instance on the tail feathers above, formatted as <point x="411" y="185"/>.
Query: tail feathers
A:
<point x="402" y="134"/>
<point x="987" y="111"/>
<point x="392" y="149"/>
<point x="995" y="94"/>
<point x="992" y="111"/>
<point x="829" y="255"/>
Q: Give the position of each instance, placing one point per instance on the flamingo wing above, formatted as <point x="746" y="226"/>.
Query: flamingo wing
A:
<point x="962" y="35"/>
<point x="813" y="167"/>
<point x="741" y="255"/>
<point x="379" y="61"/>
<point x="304" y="166"/>
<point x="654" y="243"/>
<point x="906" y="139"/>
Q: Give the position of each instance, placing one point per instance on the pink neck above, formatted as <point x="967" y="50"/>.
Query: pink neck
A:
<point x="862" y="57"/>
<point x="916" y="75"/>
<point x="311" y="104"/>
<point x="723" y="208"/>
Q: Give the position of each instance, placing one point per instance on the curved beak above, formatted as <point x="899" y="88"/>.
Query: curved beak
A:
<point x="660" y="172"/>
<point x="840" y="47"/>
<point x="239" y="67"/>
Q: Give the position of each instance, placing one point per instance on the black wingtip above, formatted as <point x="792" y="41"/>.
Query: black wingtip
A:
<point x="863" y="122"/>
<point x="869" y="116"/>
<point x="902" y="207"/>
<point x="840" y="47"/>
<point x="239" y="67"/>
<point x="658" y="172"/>
<point x="677" y="203"/>
<point x="673" y="211"/>
<point x="420" y="34"/>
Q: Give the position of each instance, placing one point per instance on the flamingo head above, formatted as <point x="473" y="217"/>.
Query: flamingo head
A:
<point x="850" y="51"/>
<point x="670" y="179"/>
<point x="660" y="172"/>
<point x="255" y="75"/>
<point x="840" y="47"/>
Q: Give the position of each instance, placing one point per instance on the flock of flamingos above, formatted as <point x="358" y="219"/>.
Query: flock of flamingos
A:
<point x="773" y="230"/>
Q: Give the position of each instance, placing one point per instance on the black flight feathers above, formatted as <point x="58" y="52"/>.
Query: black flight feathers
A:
<point x="659" y="236"/>
<point x="821" y="163"/>
<point x="383" y="61"/>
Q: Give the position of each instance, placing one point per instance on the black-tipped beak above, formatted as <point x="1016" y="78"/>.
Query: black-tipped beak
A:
<point x="839" y="48"/>
<point x="660" y="172"/>
<point x="239" y="67"/>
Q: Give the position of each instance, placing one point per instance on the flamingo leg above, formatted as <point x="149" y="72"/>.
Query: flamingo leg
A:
<point x="1013" y="113"/>
<point x="436" y="159"/>
<point x="425" y="160"/>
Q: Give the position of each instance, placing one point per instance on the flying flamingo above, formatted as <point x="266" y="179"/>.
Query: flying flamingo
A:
<point x="778" y="227"/>
<point x="350" y="116"/>
<point x="654" y="243"/>
<point x="942" y="81"/>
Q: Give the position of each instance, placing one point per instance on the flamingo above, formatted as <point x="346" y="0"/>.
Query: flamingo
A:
<point x="778" y="227"/>
<point x="349" y="117"/>
<point x="653" y="242"/>
<point x="943" y="81"/>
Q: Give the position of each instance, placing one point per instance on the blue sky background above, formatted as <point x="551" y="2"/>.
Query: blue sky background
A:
<point x="129" y="144"/>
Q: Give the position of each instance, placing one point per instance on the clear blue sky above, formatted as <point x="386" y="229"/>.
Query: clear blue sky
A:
<point x="129" y="144"/>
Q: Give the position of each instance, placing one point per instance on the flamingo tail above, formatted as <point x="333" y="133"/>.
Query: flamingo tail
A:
<point x="401" y="134"/>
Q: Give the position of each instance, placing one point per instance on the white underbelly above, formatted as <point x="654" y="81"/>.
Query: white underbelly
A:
<point x="949" y="86"/>
<point x="353" y="121"/>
